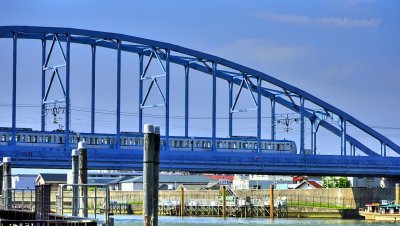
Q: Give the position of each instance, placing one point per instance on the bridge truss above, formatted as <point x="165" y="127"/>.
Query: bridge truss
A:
<point x="310" y="108"/>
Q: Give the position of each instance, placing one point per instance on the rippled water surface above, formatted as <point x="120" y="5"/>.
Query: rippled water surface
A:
<point x="213" y="221"/>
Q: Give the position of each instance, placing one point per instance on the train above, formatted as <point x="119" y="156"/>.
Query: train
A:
<point x="134" y="140"/>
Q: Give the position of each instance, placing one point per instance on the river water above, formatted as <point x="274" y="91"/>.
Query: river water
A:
<point x="124" y="220"/>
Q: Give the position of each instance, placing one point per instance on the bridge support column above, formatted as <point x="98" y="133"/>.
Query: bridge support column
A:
<point x="383" y="149"/>
<point x="313" y="137"/>
<point x="67" y="92"/>
<point x="230" y="108"/>
<point x="75" y="175"/>
<point x="214" y="107"/>
<point x="93" y="98"/>
<point x="258" y="115"/>
<point x="7" y="193"/>
<point x="118" y="140"/>
<point x="186" y="101"/>
<point x="302" y="137"/>
<point x="43" y="116"/>
<point x="273" y="119"/>
<point x="167" y="80"/>
<point x="14" y="91"/>
<point x="140" y="93"/>
<point x="151" y="161"/>
<point x="83" y="201"/>
<point x="343" y="136"/>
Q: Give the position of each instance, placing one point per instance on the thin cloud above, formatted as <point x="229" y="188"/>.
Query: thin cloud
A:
<point x="322" y="21"/>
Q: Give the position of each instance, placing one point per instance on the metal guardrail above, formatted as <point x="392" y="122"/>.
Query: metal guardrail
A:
<point x="98" y="200"/>
<point x="22" y="199"/>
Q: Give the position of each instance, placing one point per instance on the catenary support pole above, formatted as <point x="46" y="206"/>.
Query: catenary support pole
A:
<point x="151" y="158"/>
<point x="83" y="201"/>
<point x="7" y="193"/>
<point x="75" y="175"/>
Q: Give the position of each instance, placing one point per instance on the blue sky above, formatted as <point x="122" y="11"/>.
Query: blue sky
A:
<point x="345" y="52"/>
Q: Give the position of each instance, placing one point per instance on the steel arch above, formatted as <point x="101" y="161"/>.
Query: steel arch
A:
<point x="200" y="61"/>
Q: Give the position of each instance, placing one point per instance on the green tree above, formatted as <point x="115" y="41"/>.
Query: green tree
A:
<point x="335" y="182"/>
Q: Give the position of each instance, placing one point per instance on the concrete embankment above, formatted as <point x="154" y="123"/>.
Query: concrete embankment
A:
<point x="320" y="212"/>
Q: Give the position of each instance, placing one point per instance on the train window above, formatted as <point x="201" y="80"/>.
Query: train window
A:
<point x="234" y="145"/>
<point x="47" y="139"/>
<point x="198" y="144"/>
<point x="180" y="144"/>
<point x="208" y="144"/>
<point x="229" y="144"/>
<point x="268" y="146"/>
<point x="29" y="138"/>
<point x="278" y="146"/>
<point x="3" y="138"/>
<point x="250" y="145"/>
<point x="96" y="140"/>
<point x="60" y="140"/>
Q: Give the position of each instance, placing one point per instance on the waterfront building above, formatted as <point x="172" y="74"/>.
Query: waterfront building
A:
<point x="308" y="184"/>
<point x="54" y="179"/>
<point x="167" y="182"/>
<point x="243" y="182"/>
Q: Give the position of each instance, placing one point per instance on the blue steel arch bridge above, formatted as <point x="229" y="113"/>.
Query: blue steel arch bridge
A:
<point x="43" y="148"/>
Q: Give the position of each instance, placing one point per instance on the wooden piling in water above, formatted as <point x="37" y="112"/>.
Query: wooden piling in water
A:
<point x="223" y="201"/>
<point x="397" y="193"/>
<point x="7" y="194"/>
<point x="182" y="202"/>
<point x="83" y="201"/>
<point x="271" y="201"/>
<point x="151" y="161"/>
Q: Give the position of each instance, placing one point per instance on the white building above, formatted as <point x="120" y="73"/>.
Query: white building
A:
<point x="241" y="182"/>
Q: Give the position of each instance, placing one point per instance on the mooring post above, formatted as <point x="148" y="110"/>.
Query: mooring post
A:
<point x="7" y="193"/>
<point x="271" y="201"/>
<point x="83" y="201"/>
<point x="223" y="201"/>
<point x="151" y="159"/>
<point x="397" y="193"/>
<point x="182" y="201"/>
<point x="75" y="175"/>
